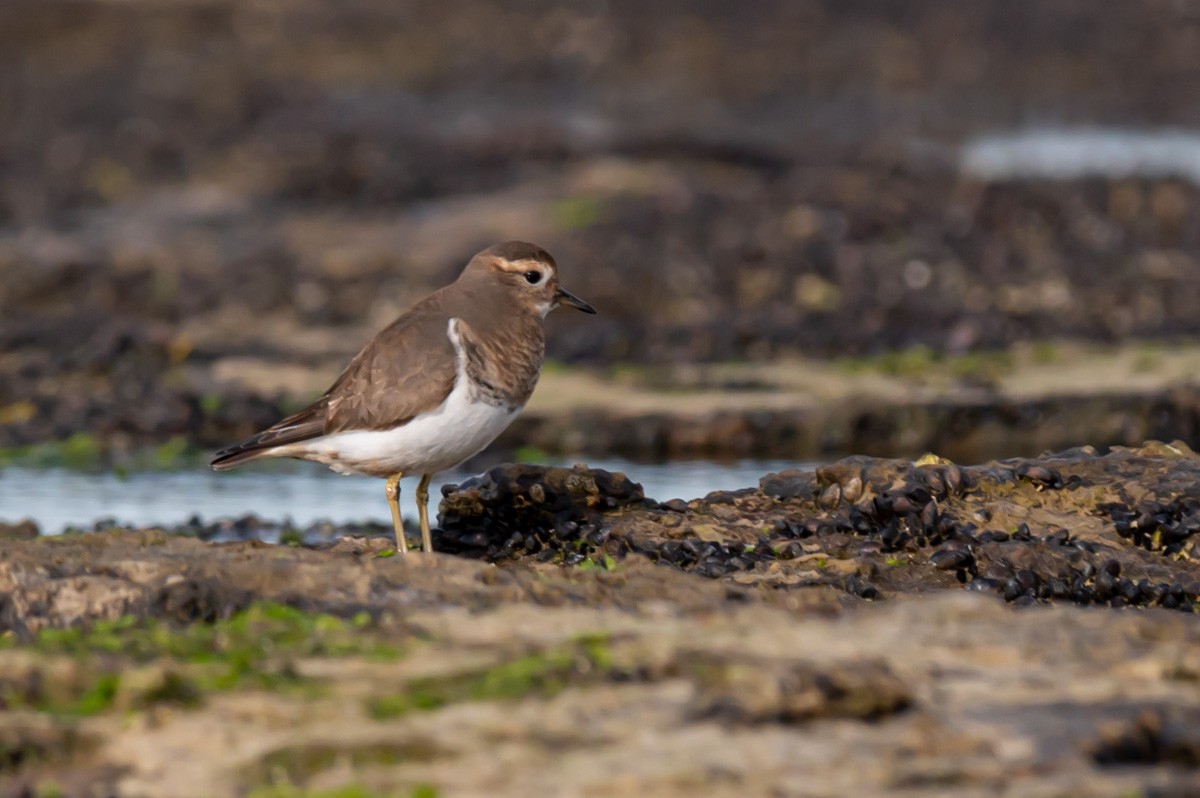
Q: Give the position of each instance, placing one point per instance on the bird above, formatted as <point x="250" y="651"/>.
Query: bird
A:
<point x="435" y="387"/>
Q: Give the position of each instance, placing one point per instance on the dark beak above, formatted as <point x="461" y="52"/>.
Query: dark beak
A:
<point x="565" y="297"/>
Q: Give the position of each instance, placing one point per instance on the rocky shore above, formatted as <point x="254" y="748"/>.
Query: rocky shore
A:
<point x="869" y="627"/>
<point x="206" y="207"/>
<point x="210" y="201"/>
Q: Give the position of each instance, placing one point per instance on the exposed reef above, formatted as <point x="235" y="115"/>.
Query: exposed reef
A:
<point x="867" y="627"/>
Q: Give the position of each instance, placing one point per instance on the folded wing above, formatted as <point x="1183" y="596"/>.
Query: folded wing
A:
<point x="407" y="369"/>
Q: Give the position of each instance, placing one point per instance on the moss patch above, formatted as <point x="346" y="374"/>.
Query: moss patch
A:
<point x="541" y="674"/>
<point x="87" y="452"/>
<point x="298" y="764"/>
<point x="133" y="663"/>
<point x="922" y="362"/>
<point x="348" y="791"/>
<point x="262" y="628"/>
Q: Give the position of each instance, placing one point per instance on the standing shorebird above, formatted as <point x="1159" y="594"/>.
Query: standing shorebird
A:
<point x="436" y="386"/>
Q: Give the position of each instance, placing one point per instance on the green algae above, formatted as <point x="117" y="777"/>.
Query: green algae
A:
<point x="605" y="563"/>
<point x="281" y="771"/>
<point x="347" y="791"/>
<point x="262" y="628"/>
<point x="99" y="696"/>
<point x="82" y="451"/>
<point x="133" y="663"/>
<point x="85" y="451"/>
<point x="543" y="674"/>
<point x="922" y="361"/>
<point x="578" y="212"/>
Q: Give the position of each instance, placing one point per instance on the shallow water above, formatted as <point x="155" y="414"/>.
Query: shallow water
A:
<point x="57" y="498"/>
<point x="1069" y="153"/>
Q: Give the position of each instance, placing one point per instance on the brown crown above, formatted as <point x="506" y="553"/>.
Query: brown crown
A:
<point x="514" y="251"/>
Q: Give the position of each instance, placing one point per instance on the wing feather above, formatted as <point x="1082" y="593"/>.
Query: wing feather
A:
<point x="408" y="368"/>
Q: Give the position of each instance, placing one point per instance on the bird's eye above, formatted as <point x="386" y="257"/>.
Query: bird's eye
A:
<point x="533" y="278"/>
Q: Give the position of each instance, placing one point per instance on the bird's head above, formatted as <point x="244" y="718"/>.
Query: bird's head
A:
<point x="527" y="273"/>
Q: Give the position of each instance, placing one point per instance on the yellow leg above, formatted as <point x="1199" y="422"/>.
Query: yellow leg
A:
<point x="423" y="510"/>
<point x="393" y="497"/>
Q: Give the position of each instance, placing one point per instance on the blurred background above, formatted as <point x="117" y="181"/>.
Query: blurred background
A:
<point x="812" y="227"/>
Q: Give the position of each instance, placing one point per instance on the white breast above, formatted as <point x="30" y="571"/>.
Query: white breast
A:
<point x="433" y="441"/>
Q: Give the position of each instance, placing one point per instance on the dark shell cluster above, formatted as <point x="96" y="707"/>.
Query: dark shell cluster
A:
<point x="1029" y="531"/>
<point x="250" y="527"/>
<point x="1165" y="527"/>
<point x="1086" y="578"/>
<point x="524" y="510"/>
<point x="918" y="508"/>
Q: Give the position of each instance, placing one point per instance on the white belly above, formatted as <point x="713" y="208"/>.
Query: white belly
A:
<point x="431" y="442"/>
